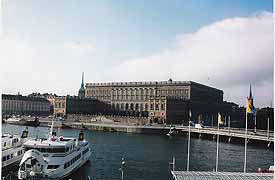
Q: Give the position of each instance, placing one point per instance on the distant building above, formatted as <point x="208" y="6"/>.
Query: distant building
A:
<point x="265" y="119"/>
<point x="162" y="101"/>
<point x="65" y="105"/>
<point x="49" y="96"/>
<point x="81" y="92"/>
<point x="28" y="105"/>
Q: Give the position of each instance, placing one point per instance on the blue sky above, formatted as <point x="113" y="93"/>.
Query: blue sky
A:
<point x="60" y="39"/>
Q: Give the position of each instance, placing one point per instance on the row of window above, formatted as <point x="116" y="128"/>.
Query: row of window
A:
<point x="138" y="107"/>
<point x="30" y="107"/>
<point x="69" y="163"/>
<point x="139" y="91"/>
<point x="10" y="156"/>
<point x="49" y="150"/>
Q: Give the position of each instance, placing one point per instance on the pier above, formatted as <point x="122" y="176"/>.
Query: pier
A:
<point x="259" y="135"/>
<point x="229" y="133"/>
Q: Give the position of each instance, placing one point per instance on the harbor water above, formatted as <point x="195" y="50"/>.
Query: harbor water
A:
<point x="148" y="156"/>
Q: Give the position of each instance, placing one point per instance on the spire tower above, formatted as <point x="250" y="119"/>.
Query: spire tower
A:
<point x="81" y="92"/>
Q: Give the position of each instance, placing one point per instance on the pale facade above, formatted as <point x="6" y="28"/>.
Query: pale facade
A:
<point x="18" y="104"/>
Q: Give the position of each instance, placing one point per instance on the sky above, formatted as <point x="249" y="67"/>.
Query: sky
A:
<point x="46" y="45"/>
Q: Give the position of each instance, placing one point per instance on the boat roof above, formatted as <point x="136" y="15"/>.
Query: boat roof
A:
<point x="50" y="143"/>
<point x="185" y="175"/>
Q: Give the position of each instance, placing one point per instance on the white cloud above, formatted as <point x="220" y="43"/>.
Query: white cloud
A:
<point x="228" y="54"/>
<point x="79" y="48"/>
<point x="29" y="66"/>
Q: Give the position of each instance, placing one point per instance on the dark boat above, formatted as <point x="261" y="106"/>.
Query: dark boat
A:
<point x="33" y="123"/>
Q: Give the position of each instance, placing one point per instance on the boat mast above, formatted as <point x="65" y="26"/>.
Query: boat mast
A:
<point x="51" y="130"/>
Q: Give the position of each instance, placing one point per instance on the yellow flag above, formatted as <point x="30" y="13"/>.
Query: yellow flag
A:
<point x="219" y="119"/>
<point x="249" y="107"/>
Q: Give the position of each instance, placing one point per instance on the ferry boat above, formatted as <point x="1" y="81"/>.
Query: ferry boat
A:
<point x="53" y="157"/>
<point x="12" y="148"/>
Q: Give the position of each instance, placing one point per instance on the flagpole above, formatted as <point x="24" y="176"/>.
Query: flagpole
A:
<point x="245" y="143"/>
<point x="188" y="146"/>
<point x="217" y="153"/>
<point x="255" y="124"/>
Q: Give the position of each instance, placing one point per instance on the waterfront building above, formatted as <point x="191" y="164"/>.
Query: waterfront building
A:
<point x="27" y="105"/>
<point x="65" y="105"/>
<point x="161" y="101"/>
<point x="49" y="96"/>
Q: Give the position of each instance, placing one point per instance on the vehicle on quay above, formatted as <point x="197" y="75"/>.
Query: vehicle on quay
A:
<point x="12" y="148"/>
<point x="54" y="157"/>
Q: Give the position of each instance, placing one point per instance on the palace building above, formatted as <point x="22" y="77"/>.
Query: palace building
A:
<point x="160" y="101"/>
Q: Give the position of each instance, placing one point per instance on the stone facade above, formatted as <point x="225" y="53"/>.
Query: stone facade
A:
<point x="18" y="104"/>
<point x="162" y="101"/>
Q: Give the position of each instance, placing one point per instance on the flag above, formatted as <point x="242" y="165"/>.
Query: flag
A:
<point x="220" y="119"/>
<point x="250" y="107"/>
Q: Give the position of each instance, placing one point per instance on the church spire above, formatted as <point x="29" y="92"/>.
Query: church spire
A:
<point x="250" y="92"/>
<point x="82" y="82"/>
<point x="81" y="92"/>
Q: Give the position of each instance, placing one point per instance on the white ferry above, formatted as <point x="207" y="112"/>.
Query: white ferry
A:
<point x="12" y="148"/>
<point x="54" y="157"/>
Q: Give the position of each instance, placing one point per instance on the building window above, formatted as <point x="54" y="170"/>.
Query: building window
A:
<point x="157" y="106"/>
<point x="146" y="107"/>
<point x="136" y="108"/>
<point x="162" y="107"/>
<point x="151" y="107"/>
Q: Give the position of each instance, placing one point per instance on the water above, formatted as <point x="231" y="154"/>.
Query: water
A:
<point x="148" y="156"/>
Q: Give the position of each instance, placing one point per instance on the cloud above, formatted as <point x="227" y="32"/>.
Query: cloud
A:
<point x="227" y="54"/>
<point x="79" y="48"/>
<point x="31" y="66"/>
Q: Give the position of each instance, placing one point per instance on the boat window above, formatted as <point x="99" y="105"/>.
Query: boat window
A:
<point x="4" y="158"/>
<point x="8" y="157"/>
<point x="85" y="151"/>
<point x="52" y="166"/>
<point x="27" y="148"/>
<point x="28" y="166"/>
<point x="66" y="165"/>
<point x="58" y="150"/>
<point x="43" y="150"/>
<point x="5" y="144"/>
<point x="11" y="156"/>
<point x="23" y="167"/>
<point x="49" y="150"/>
